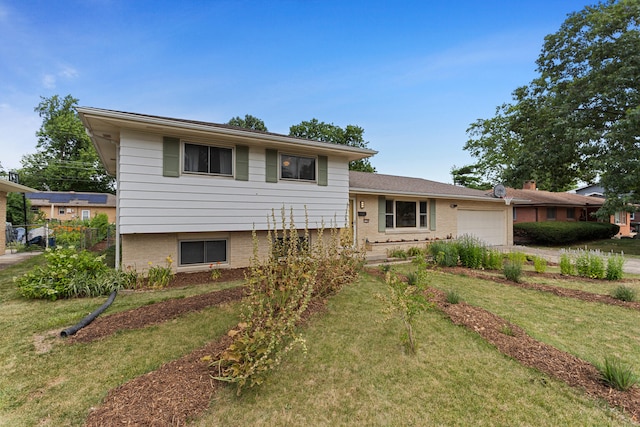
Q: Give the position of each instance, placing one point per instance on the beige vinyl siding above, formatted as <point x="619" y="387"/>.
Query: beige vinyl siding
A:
<point x="152" y="203"/>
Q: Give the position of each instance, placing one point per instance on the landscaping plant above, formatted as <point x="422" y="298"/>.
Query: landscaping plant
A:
<point x="471" y="251"/>
<point x="615" y="264"/>
<point x="624" y="293"/>
<point x="68" y="273"/>
<point x="279" y="291"/>
<point x="493" y="259"/>
<point x="539" y="264"/>
<point x="159" y="276"/>
<point x="616" y="374"/>
<point x="445" y="254"/>
<point x="513" y="270"/>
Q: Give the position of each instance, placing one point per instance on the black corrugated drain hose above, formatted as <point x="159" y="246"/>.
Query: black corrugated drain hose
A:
<point x="90" y="317"/>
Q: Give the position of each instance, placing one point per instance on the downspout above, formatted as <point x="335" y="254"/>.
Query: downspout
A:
<point x="117" y="261"/>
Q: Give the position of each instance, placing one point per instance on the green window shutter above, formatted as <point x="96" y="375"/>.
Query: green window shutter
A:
<point x="323" y="170"/>
<point x="382" y="214"/>
<point x="271" y="166"/>
<point x="170" y="156"/>
<point x="242" y="163"/>
<point x="432" y="214"/>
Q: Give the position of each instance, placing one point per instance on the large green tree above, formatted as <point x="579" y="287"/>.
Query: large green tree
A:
<point x="579" y="120"/>
<point x="328" y="132"/>
<point x="248" y="122"/>
<point x="65" y="159"/>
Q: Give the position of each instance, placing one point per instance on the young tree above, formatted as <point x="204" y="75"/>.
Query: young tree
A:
<point x="320" y="131"/>
<point x="580" y="118"/>
<point x="249" y="122"/>
<point x="66" y="159"/>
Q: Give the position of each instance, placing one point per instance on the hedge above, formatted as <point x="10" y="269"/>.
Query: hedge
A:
<point x="559" y="233"/>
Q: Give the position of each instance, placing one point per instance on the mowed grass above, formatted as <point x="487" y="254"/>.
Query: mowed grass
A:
<point x="45" y="381"/>
<point x="354" y="373"/>
<point x="357" y="373"/>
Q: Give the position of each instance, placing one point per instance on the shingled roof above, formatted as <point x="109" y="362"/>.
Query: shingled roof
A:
<point x="376" y="183"/>
<point x="548" y="198"/>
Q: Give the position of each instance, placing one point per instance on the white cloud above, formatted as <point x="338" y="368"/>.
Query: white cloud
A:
<point x="49" y="81"/>
<point x="68" y="72"/>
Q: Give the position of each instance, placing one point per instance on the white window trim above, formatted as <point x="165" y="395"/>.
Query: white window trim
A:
<point x="88" y="212"/>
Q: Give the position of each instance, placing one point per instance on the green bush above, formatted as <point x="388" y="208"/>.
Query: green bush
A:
<point x="539" y="264"/>
<point x="493" y="259"/>
<point x="617" y="374"/>
<point x="397" y="253"/>
<point x="590" y="264"/>
<point x="624" y="293"/>
<point x="560" y="233"/>
<point x="615" y="264"/>
<point x="67" y="273"/>
<point x="567" y="267"/>
<point x="415" y="252"/>
<point x="513" y="271"/>
<point x="471" y="251"/>
<point x="445" y="254"/>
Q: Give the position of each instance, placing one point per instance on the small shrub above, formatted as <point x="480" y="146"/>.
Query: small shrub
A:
<point x="513" y="271"/>
<point x="471" y="251"/>
<point x="567" y="267"/>
<point x="493" y="260"/>
<point x="412" y="279"/>
<point x="445" y="254"/>
<point x="57" y="278"/>
<point x="159" y="276"/>
<point x="590" y="264"/>
<point x="615" y="264"/>
<point x="624" y="293"/>
<point x="539" y="264"/>
<point x="415" y="252"/>
<point x="517" y="257"/>
<point x="397" y="253"/>
<point x="385" y="267"/>
<point x="404" y="302"/>
<point x="617" y="375"/>
<point x="453" y="297"/>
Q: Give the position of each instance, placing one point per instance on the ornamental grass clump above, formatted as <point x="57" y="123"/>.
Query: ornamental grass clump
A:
<point x="624" y="293"/>
<point x="445" y="254"/>
<point x="513" y="271"/>
<point x="617" y="374"/>
<point x="567" y="268"/>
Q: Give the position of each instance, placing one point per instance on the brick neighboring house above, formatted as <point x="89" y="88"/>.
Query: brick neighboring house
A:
<point x="71" y="205"/>
<point x="533" y="205"/>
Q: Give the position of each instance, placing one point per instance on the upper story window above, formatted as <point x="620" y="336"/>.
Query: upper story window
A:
<point x="208" y="159"/>
<point x="297" y="167"/>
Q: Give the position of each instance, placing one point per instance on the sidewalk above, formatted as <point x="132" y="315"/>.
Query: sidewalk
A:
<point x="9" y="259"/>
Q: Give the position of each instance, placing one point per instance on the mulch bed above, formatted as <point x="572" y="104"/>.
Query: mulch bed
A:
<point x="182" y="389"/>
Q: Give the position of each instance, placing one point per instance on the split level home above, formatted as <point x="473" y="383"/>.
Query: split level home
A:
<point x="533" y="205"/>
<point x="6" y="187"/>
<point x="71" y="205"/>
<point x="195" y="191"/>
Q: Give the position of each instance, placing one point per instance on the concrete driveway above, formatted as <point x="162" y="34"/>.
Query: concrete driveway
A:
<point x="9" y="259"/>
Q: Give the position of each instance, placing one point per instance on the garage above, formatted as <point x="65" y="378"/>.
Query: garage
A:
<point x="487" y="225"/>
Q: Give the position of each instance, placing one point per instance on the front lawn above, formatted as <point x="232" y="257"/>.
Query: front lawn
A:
<point x="356" y="371"/>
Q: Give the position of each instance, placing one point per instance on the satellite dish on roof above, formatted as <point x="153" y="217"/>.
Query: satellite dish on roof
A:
<point x="499" y="191"/>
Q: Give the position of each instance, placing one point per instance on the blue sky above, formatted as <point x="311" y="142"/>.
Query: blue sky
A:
<point x="413" y="74"/>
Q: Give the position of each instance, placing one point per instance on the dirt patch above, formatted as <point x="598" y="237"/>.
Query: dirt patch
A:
<point x="182" y="389"/>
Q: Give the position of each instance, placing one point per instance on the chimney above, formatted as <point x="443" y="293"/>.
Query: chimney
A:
<point x="529" y="185"/>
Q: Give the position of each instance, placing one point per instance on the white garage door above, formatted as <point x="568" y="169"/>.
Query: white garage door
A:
<point x="488" y="226"/>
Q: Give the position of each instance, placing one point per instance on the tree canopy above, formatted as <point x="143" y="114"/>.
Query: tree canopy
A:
<point x="328" y="132"/>
<point x="249" y="122"/>
<point x="579" y="120"/>
<point x="65" y="159"/>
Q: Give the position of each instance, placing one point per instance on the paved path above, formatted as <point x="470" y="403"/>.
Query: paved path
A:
<point x="9" y="259"/>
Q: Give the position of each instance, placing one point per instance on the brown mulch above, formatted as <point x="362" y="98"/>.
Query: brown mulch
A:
<point x="182" y="389"/>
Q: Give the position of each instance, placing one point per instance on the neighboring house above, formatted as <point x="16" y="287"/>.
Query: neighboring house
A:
<point x="533" y="205"/>
<point x="69" y="205"/>
<point x="194" y="191"/>
<point x="595" y="190"/>
<point x="394" y="211"/>
<point x="8" y="187"/>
